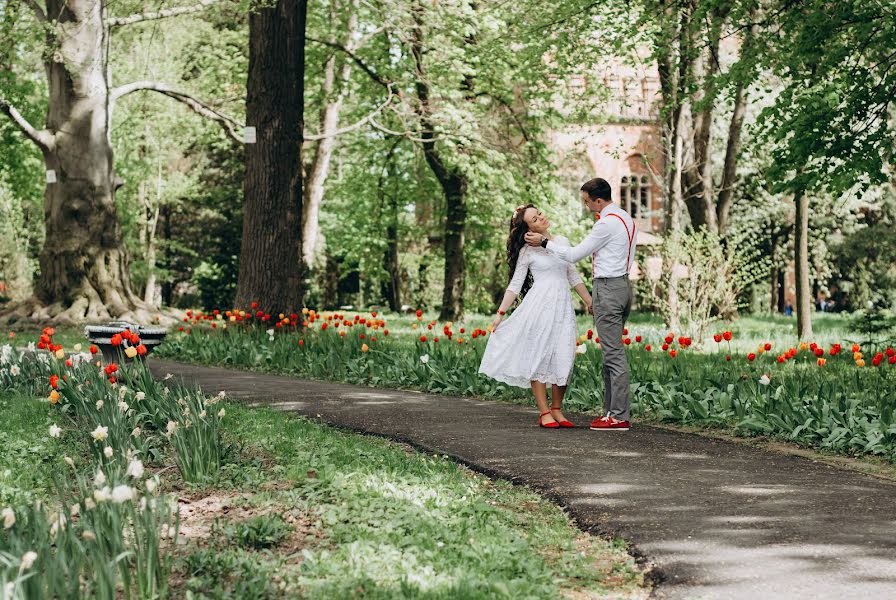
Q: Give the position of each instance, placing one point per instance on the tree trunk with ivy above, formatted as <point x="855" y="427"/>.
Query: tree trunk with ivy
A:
<point x="804" y="304"/>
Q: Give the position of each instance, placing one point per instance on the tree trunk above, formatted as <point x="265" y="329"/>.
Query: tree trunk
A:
<point x="454" y="187"/>
<point x="323" y="151"/>
<point x="801" y="262"/>
<point x="83" y="265"/>
<point x="270" y="257"/>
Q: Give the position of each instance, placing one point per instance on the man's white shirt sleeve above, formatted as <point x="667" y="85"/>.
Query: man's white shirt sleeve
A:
<point x="594" y="241"/>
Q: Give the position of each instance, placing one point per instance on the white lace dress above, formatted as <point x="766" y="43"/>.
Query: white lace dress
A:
<point x="538" y="341"/>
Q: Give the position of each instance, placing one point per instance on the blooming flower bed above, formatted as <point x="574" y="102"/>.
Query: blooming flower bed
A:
<point x="837" y="396"/>
<point x="103" y="533"/>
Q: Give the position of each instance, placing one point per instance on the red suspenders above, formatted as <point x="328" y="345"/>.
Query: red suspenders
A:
<point x="631" y="239"/>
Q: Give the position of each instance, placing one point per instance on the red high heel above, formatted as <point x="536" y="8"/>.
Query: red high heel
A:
<point x="553" y="425"/>
<point x="564" y="423"/>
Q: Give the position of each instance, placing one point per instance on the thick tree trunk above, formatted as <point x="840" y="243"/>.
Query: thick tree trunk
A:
<point x="83" y="264"/>
<point x="804" y="303"/>
<point x="270" y="257"/>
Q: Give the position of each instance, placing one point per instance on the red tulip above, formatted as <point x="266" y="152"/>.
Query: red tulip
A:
<point x="751" y="357"/>
<point x="727" y="336"/>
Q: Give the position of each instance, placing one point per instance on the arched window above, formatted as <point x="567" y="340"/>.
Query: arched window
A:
<point x="634" y="195"/>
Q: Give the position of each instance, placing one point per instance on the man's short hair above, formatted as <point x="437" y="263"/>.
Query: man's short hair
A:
<point x="598" y="188"/>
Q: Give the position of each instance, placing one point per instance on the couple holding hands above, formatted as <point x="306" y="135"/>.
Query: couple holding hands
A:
<point x="536" y="345"/>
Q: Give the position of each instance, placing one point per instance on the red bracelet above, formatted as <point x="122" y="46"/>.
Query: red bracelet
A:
<point x="502" y="313"/>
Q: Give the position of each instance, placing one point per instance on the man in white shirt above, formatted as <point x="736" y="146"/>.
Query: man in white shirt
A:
<point x="611" y="245"/>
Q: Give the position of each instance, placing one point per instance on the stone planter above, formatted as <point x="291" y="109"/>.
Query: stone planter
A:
<point x="101" y="336"/>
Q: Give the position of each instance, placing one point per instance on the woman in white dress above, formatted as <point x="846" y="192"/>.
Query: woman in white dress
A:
<point x="536" y="346"/>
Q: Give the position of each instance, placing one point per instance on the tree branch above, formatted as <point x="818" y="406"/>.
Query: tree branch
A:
<point x="197" y="106"/>
<point x="42" y="137"/>
<point x="162" y="14"/>
<point x="38" y="11"/>
<point x="360" y="123"/>
<point x="357" y="60"/>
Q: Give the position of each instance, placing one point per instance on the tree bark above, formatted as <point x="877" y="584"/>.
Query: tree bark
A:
<point x="454" y="188"/>
<point x="323" y="151"/>
<point x="804" y="303"/>
<point x="83" y="265"/>
<point x="271" y="265"/>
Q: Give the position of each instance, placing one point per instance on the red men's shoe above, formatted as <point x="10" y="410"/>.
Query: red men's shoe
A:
<point x="608" y="423"/>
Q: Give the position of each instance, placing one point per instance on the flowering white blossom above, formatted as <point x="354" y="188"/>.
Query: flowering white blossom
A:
<point x="122" y="392"/>
<point x="58" y="523"/>
<point x="123" y="406"/>
<point x="100" y="433"/>
<point x="31" y="347"/>
<point x="135" y="469"/>
<point x="202" y="414"/>
<point x="581" y="349"/>
<point x="171" y="428"/>
<point x="14" y="370"/>
<point x="88" y="536"/>
<point x="167" y="376"/>
<point x="100" y="478"/>
<point x="122" y="493"/>
<point x="55" y="431"/>
<point x="68" y="460"/>
<point x="9" y="517"/>
<point x="76" y="347"/>
<point x="108" y="452"/>
<point x="89" y="504"/>
<point x="221" y="413"/>
<point x="765" y="380"/>
<point x="27" y="560"/>
<point x="136" y="432"/>
<point x="140" y="396"/>
<point x="151" y="485"/>
<point x="75" y="510"/>
<point x="99" y="404"/>
<point x="424" y="359"/>
<point x="102" y="495"/>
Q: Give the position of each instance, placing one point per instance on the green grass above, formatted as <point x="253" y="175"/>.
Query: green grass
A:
<point x="28" y="452"/>
<point x="394" y="524"/>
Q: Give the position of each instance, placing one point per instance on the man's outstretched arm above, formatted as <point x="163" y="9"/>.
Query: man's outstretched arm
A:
<point x="594" y="241"/>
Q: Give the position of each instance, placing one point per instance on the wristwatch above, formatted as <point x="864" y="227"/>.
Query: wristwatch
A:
<point x="544" y="242"/>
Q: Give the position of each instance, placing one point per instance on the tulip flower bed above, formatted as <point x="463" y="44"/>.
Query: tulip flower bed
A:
<point x="100" y="460"/>
<point x="838" y="397"/>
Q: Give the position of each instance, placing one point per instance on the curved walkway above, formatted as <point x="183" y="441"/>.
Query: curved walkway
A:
<point x="718" y="519"/>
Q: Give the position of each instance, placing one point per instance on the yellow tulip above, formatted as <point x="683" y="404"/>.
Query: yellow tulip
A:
<point x="130" y="352"/>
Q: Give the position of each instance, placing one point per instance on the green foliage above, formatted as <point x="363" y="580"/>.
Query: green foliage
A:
<point x="256" y="533"/>
<point x="222" y="573"/>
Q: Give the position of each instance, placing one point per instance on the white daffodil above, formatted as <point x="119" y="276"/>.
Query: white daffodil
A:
<point x="151" y="485"/>
<point x="171" y="428"/>
<point x="100" y="433"/>
<point x="135" y="469"/>
<point x="55" y="431"/>
<point x="88" y="536"/>
<point x="99" y="404"/>
<point x="100" y="478"/>
<point x="14" y="370"/>
<point x="136" y="432"/>
<point x="221" y="413"/>
<point x="102" y="495"/>
<point x="123" y="406"/>
<point x="27" y="560"/>
<point x="122" y="493"/>
<point x="9" y="517"/>
<point x="765" y="380"/>
<point x="581" y="349"/>
<point x="424" y="359"/>
<point x="140" y="396"/>
<point x="68" y="460"/>
<point x="108" y="452"/>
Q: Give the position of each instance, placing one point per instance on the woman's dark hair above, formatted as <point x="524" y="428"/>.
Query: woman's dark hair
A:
<point x="598" y="188"/>
<point x="515" y="242"/>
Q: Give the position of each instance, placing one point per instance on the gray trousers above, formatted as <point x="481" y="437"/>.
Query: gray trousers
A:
<point x="612" y="302"/>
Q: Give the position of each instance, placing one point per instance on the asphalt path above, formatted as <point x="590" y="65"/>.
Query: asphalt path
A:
<point x="717" y="519"/>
